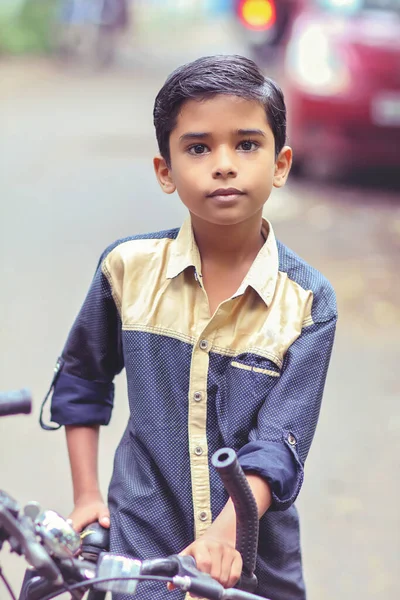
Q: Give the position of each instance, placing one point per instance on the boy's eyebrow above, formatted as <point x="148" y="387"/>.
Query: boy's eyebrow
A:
<point x="193" y="135"/>
<point x="250" y="132"/>
<point x="203" y="135"/>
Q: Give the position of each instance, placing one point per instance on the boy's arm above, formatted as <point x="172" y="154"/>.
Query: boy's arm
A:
<point x="82" y="445"/>
<point x="84" y="391"/>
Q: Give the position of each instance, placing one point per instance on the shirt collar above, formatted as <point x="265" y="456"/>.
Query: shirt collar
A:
<point x="262" y="275"/>
<point x="184" y="253"/>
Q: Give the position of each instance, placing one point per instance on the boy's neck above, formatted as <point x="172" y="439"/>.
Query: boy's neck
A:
<point x="228" y="244"/>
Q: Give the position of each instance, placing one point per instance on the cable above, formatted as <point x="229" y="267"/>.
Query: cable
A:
<point x="8" y="586"/>
<point x="90" y="582"/>
<point x="67" y="586"/>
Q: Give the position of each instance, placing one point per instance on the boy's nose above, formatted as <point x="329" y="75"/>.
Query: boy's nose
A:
<point x="224" y="166"/>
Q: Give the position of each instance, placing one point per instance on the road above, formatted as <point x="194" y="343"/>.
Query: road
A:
<point x="76" y="174"/>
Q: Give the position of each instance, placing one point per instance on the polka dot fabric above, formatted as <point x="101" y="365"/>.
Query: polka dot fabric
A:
<point x="265" y="411"/>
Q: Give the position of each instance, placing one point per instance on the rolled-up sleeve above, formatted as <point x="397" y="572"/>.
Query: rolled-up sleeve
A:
<point x="281" y="438"/>
<point x="84" y="390"/>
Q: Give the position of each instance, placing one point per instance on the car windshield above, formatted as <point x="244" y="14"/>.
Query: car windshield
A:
<point x="355" y="6"/>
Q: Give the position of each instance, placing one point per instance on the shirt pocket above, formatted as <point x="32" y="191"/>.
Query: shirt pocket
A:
<point x="248" y="381"/>
<point x="252" y="376"/>
<point x="264" y="367"/>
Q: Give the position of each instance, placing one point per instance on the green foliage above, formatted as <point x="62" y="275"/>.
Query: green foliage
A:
<point x="29" y="29"/>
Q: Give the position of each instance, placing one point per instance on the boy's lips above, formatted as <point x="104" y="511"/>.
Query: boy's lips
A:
<point x="225" y="192"/>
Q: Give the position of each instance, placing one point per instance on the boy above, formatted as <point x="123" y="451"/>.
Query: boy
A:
<point x="225" y="335"/>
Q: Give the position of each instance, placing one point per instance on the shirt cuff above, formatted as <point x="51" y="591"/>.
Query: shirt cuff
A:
<point x="77" y="401"/>
<point x="279" y="465"/>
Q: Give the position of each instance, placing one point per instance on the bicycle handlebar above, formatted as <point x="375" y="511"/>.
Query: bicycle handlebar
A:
<point x="58" y="574"/>
<point x="120" y="575"/>
<point x="15" y="402"/>
<point x="226" y="463"/>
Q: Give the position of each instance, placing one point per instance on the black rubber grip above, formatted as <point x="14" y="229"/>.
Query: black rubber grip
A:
<point x="226" y="463"/>
<point x="94" y="539"/>
<point x="161" y="566"/>
<point x="15" y="403"/>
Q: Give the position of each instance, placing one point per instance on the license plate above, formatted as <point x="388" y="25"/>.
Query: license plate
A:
<point x="386" y="110"/>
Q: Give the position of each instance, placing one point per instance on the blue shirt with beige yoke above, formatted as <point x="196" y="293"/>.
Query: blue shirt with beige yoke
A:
<point x="250" y="377"/>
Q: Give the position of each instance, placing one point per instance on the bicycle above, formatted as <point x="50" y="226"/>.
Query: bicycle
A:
<point x="62" y="560"/>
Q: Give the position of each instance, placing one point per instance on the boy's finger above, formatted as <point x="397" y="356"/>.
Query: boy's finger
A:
<point x="236" y="571"/>
<point x="78" y="524"/>
<point x="226" y="567"/>
<point x="72" y="522"/>
<point x="202" y="556"/>
<point x="77" y="521"/>
<point x="216" y="563"/>
<point x="104" y="521"/>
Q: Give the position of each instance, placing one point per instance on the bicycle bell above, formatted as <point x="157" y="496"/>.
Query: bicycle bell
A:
<point x="57" y="534"/>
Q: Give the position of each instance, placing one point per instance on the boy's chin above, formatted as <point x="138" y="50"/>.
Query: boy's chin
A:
<point x="226" y="218"/>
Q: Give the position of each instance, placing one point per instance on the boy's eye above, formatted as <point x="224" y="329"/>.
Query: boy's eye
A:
<point x="197" y="149"/>
<point x="248" y="145"/>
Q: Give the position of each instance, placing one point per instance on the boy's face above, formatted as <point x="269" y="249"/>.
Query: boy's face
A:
<point x="223" y="160"/>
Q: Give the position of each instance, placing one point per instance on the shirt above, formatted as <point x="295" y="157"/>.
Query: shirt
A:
<point x="249" y="377"/>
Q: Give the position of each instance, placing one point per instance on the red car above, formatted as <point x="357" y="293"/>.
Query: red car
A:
<point x="342" y="86"/>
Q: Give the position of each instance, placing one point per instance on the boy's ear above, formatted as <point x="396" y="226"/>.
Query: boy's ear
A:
<point x="163" y="174"/>
<point x="282" y="166"/>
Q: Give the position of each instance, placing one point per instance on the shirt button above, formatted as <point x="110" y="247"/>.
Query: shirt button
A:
<point x="198" y="451"/>
<point x="203" y="516"/>
<point x="197" y="396"/>
<point x="291" y="439"/>
<point x="203" y="344"/>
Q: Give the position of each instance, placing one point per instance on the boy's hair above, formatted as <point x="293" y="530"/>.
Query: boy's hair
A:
<point x="211" y="75"/>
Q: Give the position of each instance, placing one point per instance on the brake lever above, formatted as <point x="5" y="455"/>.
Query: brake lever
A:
<point x="190" y="579"/>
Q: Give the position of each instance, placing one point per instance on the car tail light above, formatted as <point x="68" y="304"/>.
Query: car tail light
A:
<point x="258" y="15"/>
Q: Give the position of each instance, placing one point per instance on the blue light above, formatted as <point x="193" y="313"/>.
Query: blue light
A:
<point x="343" y="6"/>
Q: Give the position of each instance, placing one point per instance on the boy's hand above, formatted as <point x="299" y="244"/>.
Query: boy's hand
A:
<point x="89" y="509"/>
<point x="217" y="557"/>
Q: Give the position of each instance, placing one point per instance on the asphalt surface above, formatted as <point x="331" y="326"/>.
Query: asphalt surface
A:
<point x="76" y="174"/>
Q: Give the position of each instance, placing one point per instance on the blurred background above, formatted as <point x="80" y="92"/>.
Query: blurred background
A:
<point x="77" y="84"/>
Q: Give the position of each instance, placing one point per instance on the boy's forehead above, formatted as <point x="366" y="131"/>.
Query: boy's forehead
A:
<point x="220" y="112"/>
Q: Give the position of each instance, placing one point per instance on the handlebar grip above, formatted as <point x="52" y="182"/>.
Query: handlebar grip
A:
<point x="168" y="566"/>
<point x="95" y="539"/>
<point x="226" y="463"/>
<point x="15" y="402"/>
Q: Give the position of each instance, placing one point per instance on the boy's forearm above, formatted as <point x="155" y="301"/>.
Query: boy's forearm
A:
<point x="83" y="443"/>
<point x="225" y="524"/>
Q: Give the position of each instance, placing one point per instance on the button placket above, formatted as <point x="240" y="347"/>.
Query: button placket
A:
<point x="198" y="427"/>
